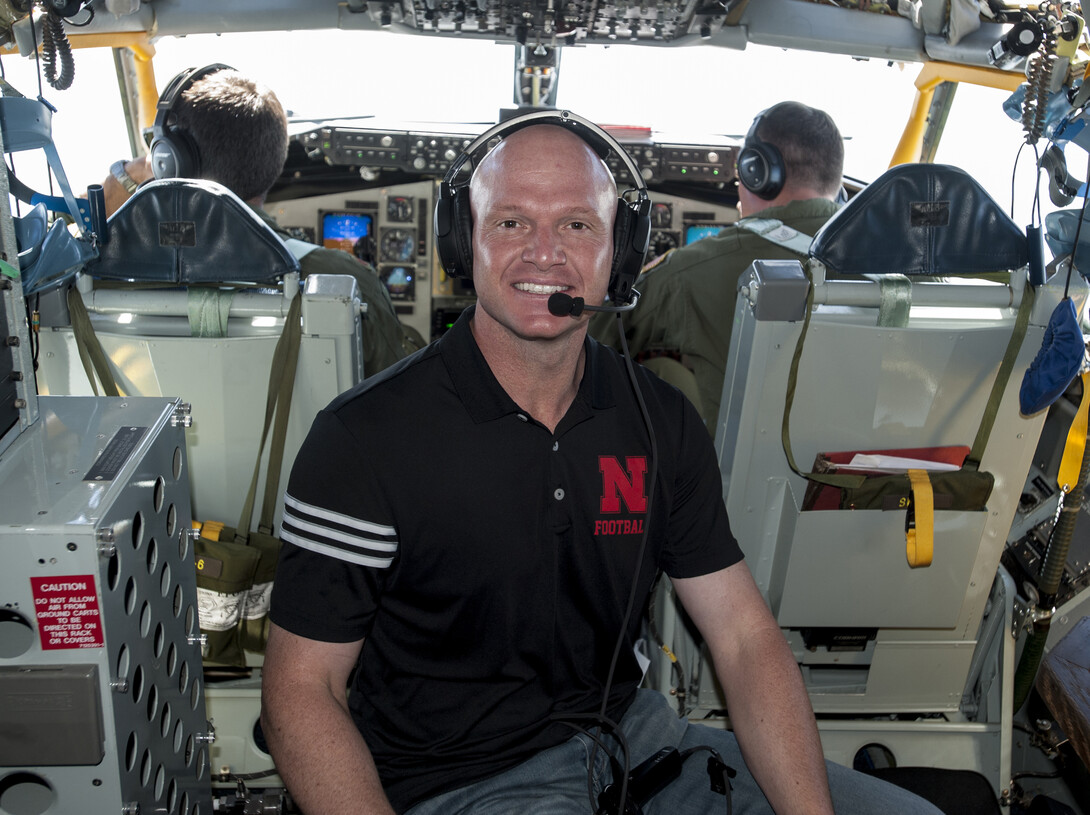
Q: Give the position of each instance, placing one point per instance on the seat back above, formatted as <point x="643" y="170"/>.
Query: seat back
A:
<point x="840" y="579"/>
<point x="188" y="298"/>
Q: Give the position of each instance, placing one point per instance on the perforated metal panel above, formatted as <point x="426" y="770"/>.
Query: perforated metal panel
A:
<point x="98" y="633"/>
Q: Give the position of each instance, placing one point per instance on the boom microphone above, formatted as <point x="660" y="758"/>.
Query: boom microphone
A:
<point x="562" y="305"/>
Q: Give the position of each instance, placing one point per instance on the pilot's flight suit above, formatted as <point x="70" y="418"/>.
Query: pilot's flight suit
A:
<point x="688" y="299"/>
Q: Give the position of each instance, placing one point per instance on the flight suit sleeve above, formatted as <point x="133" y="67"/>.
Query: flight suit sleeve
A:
<point x="383" y="334"/>
<point x="649" y="326"/>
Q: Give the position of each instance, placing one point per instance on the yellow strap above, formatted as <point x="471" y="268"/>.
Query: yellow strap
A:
<point x="210" y="530"/>
<point x="920" y="538"/>
<point x="1071" y="463"/>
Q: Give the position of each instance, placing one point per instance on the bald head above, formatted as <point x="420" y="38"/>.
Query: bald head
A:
<point x="544" y="153"/>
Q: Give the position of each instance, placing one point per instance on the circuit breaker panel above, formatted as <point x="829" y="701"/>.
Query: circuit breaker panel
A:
<point x="102" y="706"/>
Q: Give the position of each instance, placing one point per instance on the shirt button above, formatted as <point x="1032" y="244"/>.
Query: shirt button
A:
<point x="523" y="417"/>
<point x="556" y="446"/>
<point x="559" y="494"/>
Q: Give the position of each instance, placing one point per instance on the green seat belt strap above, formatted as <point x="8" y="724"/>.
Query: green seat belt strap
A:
<point x="90" y="349"/>
<point x="278" y="400"/>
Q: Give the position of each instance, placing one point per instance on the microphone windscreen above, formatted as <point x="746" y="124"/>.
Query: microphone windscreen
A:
<point x="560" y="304"/>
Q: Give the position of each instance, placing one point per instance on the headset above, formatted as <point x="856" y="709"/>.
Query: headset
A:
<point x="173" y="152"/>
<point x="453" y="221"/>
<point x="760" y="164"/>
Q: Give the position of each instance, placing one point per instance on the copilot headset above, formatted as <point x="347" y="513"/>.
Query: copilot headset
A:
<point x="453" y="223"/>
<point x="173" y="152"/>
<point x="761" y="168"/>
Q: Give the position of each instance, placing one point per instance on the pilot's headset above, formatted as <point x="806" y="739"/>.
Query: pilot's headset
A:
<point x="453" y="220"/>
<point x="173" y="152"/>
<point x="760" y="165"/>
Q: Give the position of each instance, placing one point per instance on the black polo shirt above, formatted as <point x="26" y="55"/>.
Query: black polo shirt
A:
<point x="486" y="561"/>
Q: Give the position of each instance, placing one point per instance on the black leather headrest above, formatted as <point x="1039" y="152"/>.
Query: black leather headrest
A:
<point x="186" y="231"/>
<point x="921" y="219"/>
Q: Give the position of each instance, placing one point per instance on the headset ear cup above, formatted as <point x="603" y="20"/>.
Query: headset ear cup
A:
<point x="173" y="155"/>
<point x="761" y="169"/>
<point x="453" y="224"/>
<point x="463" y="230"/>
<point x="631" y="237"/>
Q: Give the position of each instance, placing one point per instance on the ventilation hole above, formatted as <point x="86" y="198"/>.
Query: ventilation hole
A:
<point x="137" y="530"/>
<point x="153" y="702"/>
<point x="145" y="768"/>
<point x="189" y="750"/>
<point x="195" y="693"/>
<point x="113" y="571"/>
<point x="164" y="580"/>
<point x="123" y="662"/>
<point x="179" y="735"/>
<point x="873" y="756"/>
<point x="179" y="598"/>
<point x="201" y="764"/>
<point x="164" y="720"/>
<point x="172" y="796"/>
<point x="172" y="659"/>
<point x="183" y="808"/>
<point x="176" y="466"/>
<point x="172" y="520"/>
<point x="160" y="781"/>
<point x="25" y="793"/>
<point x="17" y="635"/>
<point x="145" y="618"/>
<point x="158" y="492"/>
<point x="183" y="678"/>
<point x="131" y="747"/>
<point x="191" y="621"/>
<point x="158" y="640"/>
<point x="138" y="683"/>
<point x="153" y="556"/>
<point x="130" y="595"/>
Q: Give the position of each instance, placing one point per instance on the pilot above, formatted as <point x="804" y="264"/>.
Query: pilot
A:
<point x="239" y="134"/>
<point x="790" y="171"/>
<point x="461" y="540"/>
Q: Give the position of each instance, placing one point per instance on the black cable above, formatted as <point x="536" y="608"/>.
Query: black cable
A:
<point x="615" y="731"/>
<point x="56" y="50"/>
<point x="630" y="605"/>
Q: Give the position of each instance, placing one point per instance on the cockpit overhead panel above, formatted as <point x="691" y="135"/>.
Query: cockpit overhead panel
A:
<point x="432" y="153"/>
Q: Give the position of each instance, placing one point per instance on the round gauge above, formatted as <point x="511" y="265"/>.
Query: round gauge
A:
<point x="399" y="281"/>
<point x="661" y="243"/>
<point x="398" y="245"/>
<point x="661" y="215"/>
<point x="399" y="208"/>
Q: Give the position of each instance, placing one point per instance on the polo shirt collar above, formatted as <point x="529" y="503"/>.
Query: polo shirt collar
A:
<point x="479" y="390"/>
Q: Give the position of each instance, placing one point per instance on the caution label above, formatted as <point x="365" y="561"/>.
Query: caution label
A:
<point x="67" y="612"/>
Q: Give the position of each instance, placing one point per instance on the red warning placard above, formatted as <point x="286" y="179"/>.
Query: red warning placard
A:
<point x="67" y="612"/>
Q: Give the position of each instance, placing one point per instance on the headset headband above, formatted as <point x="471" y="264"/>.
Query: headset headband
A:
<point x="602" y="143"/>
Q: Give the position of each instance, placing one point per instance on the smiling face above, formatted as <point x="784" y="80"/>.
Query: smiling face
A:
<point x="543" y="207"/>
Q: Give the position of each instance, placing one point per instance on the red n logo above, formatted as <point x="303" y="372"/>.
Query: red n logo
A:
<point x="618" y="485"/>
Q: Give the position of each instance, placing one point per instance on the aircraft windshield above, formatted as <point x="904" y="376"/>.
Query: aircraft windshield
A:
<point x="690" y="92"/>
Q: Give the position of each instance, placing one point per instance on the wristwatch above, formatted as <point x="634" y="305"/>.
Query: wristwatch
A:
<point x="117" y="170"/>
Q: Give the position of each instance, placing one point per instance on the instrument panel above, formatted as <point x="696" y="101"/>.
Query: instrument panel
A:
<point x="390" y="225"/>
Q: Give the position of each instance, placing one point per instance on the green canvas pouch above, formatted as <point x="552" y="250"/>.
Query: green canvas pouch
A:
<point x="225" y="575"/>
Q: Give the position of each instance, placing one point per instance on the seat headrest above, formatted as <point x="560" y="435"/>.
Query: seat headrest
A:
<point x="186" y="231"/>
<point x="921" y="219"/>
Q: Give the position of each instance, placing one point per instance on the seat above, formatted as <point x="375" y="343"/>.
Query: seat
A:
<point x="913" y="292"/>
<point x="188" y="298"/>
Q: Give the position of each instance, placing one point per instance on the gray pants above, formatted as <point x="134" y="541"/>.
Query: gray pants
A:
<point x="554" y="782"/>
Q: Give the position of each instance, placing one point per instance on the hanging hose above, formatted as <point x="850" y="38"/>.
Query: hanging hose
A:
<point x="56" y="49"/>
<point x="1039" y="78"/>
<point x="1048" y="583"/>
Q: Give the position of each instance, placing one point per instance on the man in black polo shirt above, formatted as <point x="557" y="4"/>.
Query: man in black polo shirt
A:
<point x="462" y="533"/>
